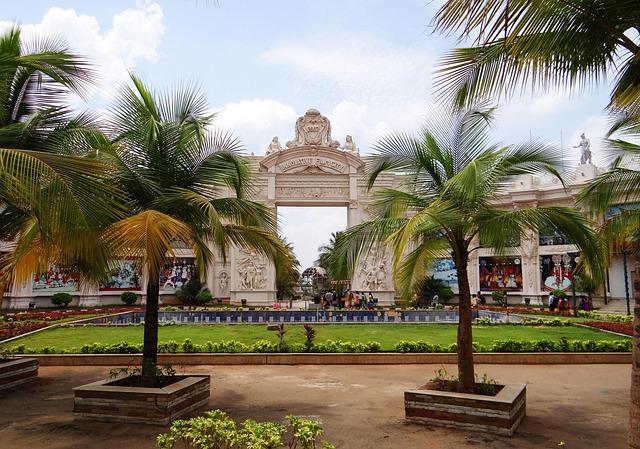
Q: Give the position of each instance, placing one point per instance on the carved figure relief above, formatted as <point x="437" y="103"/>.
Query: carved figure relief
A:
<point x="251" y="271"/>
<point x="223" y="282"/>
<point x="373" y="272"/>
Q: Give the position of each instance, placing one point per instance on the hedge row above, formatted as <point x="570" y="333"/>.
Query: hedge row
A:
<point x="338" y="346"/>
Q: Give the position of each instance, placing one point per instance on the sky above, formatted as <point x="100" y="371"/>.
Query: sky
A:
<point x="367" y="65"/>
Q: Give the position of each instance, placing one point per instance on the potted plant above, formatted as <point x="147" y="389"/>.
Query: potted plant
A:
<point x="489" y="407"/>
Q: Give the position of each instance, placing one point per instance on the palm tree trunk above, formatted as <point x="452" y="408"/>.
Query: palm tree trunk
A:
<point x="150" y="346"/>
<point x="466" y="373"/>
<point x="634" y="407"/>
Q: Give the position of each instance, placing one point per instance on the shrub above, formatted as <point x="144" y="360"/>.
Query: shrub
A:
<point x="217" y="430"/>
<point x="187" y="294"/>
<point x="61" y="299"/>
<point x="129" y="298"/>
<point x="497" y="297"/>
<point x="203" y="297"/>
<point x="446" y="294"/>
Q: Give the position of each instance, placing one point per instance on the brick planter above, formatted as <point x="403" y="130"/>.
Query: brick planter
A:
<point x="104" y="401"/>
<point x="500" y="414"/>
<point x="15" y="372"/>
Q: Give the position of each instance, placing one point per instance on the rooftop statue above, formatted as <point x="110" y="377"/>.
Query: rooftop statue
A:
<point x="350" y="146"/>
<point x="585" y="149"/>
<point x="274" y="146"/>
<point x="313" y="129"/>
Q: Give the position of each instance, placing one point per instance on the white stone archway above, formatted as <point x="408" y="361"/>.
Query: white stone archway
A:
<point x="311" y="170"/>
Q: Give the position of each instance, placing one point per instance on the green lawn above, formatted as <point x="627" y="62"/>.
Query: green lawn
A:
<point x="385" y="334"/>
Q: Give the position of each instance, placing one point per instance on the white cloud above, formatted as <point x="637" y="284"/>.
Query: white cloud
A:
<point x="135" y="34"/>
<point x="256" y="121"/>
<point x="360" y="62"/>
<point x="375" y="86"/>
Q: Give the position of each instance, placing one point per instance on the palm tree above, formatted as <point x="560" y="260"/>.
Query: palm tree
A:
<point x="621" y="232"/>
<point x="53" y="206"/>
<point x="546" y="44"/>
<point x="327" y="257"/>
<point x="287" y="271"/>
<point x="452" y="173"/>
<point x="551" y="44"/>
<point x="185" y="184"/>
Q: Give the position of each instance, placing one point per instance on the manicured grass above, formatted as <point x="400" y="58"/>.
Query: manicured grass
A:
<point x="385" y="334"/>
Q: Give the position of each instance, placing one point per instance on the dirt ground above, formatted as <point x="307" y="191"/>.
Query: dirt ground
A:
<point x="584" y="406"/>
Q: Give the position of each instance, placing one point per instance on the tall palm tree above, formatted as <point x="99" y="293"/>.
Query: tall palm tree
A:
<point x="547" y="44"/>
<point x="287" y="271"/>
<point x="621" y="184"/>
<point x="185" y="184"/>
<point x="542" y="45"/>
<point x="452" y="174"/>
<point x="327" y="257"/>
<point x="52" y="206"/>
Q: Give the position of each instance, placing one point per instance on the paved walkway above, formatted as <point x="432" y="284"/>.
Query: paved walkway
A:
<point x="584" y="406"/>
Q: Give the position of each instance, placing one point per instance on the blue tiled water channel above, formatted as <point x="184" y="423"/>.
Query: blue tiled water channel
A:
<point x="302" y="316"/>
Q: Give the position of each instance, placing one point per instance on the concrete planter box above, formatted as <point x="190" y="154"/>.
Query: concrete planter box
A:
<point x="15" y="372"/>
<point x="500" y="414"/>
<point x="104" y="401"/>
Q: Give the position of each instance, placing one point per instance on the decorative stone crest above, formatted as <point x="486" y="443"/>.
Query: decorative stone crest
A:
<point x="251" y="271"/>
<point x="313" y="129"/>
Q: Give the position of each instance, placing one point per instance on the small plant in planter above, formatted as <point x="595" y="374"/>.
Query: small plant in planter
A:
<point x="129" y="298"/>
<point x="281" y="331"/>
<point x="309" y="335"/>
<point x="61" y="299"/>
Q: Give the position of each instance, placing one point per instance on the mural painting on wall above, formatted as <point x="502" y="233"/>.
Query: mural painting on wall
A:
<point x="56" y="279"/>
<point x="557" y="271"/>
<point x="177" y="273"/>
<point x="500" y="273"/>
<point x="445" y="270"/>
<point x="126" y="275"/>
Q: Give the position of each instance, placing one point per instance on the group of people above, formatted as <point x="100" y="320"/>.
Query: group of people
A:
<point x="347" y="299"/>
<point x="560" y="303"/>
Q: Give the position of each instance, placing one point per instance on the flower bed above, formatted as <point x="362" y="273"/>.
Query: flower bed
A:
<point x="55" y="315"/>
<point x="18" y="323"/>
<point x="620" y="328"/>
<point x="15" y="328"/>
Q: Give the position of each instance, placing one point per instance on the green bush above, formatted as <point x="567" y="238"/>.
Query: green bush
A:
<point x="203" y="297"/>
<point x="189" y="292"/>
<point x="497" y="297"/>
<point x="61" y="300"/>
<point x="446" y="294"/>
<point x="217" y="430"/>
<point x="129" y="298"/>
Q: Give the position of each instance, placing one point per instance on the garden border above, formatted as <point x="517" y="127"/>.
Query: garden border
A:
<point x="379" y="358"/>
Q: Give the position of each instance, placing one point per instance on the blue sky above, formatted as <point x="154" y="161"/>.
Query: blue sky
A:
<point x="367" y="65"/>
